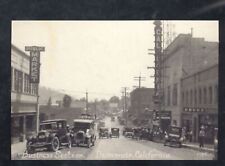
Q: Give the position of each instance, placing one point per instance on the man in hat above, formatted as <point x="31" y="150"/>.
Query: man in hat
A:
<point x="201" y="136"/>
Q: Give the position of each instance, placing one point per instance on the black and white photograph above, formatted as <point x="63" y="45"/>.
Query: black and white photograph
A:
<point x="114" y="90"/>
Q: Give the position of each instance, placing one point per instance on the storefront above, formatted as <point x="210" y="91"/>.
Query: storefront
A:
<point x="21" y="125"/>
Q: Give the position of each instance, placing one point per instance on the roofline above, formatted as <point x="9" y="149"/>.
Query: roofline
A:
<point x="200" y="71"/>
<point x="20" y="51"/>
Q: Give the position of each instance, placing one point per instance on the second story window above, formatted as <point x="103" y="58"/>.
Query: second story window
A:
<point x="18" y="81"/>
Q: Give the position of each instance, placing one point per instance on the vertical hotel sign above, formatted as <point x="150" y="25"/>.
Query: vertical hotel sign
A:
<point x="34" y="62"/>
<point x="158" y="56"/>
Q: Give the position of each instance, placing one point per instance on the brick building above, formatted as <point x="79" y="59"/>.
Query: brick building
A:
<point x="23" y="96"/>
<point x="141" y="103"/>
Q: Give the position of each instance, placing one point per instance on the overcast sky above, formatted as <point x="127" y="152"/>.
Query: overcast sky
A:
<point x="98" y="56"/>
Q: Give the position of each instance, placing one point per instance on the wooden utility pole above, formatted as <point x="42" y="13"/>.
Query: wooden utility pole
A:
<point x="139" y="79"/>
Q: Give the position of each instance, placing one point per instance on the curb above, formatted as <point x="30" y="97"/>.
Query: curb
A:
<point x="197" y="148"/>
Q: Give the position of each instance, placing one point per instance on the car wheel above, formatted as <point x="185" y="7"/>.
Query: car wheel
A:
<point x="55" y="144"/>
<point x="30" y="149"/>
<point x="89" y="143"/>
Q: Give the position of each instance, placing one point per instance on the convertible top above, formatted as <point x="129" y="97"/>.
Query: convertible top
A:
<point x="53" y="120"/>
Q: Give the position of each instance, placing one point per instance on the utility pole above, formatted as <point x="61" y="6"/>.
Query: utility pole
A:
<point x="139" y="79"/>
<point x="125" y="103"/>
<point x="86" y="102"/>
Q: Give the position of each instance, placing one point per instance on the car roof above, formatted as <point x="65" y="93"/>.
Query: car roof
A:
<point x="83" y="120"/>
<point x="53" y="120"/>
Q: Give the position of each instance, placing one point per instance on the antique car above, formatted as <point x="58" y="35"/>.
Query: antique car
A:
<point x="173" y="136"/>
<point x="52" y="134"/>
<point x="84" y="132"/>
<point x="128" y="132"/>
<point x="115" y="132"/>
<point x="137" y="133"/>
<point x="104" y="133"/>
<point x="145" y="134"/>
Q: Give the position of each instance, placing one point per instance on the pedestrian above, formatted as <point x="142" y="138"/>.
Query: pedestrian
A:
<point x="201" y="137"/>
<point x="190" y="136"/>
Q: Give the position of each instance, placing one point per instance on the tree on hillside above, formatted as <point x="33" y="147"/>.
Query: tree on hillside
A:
<point x="67" y="101"/>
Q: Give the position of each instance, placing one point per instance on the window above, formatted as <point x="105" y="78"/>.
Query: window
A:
<point x="191" y="97"/>
<point x="18" y="81"/>
<point x="195" y="97"/>
<point x="183" y="98"/>
<point x="187" y="98"/>
<point x="168" y="96"/>
<point x="200" y="96"/>
<point x="175" y="94"/>
<point x="205" y="95"/>
<point x="210" y="95"/>
<point x="26" y="83"/>
<point x="216" y="94"/>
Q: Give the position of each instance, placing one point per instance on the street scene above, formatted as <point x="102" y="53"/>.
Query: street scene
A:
<point x="114" y="90"/>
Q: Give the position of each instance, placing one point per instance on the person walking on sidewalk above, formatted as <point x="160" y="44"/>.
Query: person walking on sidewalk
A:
<point x="201" y="137"/>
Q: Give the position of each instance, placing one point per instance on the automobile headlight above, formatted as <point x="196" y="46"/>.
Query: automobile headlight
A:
<point x="181" y="139"/>
<point x="166" y="136"/>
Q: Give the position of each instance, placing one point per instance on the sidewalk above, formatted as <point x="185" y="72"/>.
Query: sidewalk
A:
<point x="194" y="145"/>
<point x="17" y="149"/>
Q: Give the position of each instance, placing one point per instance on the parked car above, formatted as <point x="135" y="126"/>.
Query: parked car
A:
<point x="137" y="133"/>
<point x="174" y="136"/>
<point x="52" y="135"/>
<point x="84" y="132"/>
<point x="104" y="133"/>
<point x="128" y="132"/>
<point x="115" y="132"/>
<point x="145" y="134"/>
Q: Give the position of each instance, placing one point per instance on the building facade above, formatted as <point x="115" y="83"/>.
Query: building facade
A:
<point x="200" y="102"/>
<point x="184" y="57"/>
<point x="23" y="96"/>
<point x="141" y="99"/>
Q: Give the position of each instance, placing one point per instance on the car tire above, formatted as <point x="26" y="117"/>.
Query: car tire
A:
<point x="30" y="150"/>
<point x="88" y="143"/>
<point x="54" y="144"/>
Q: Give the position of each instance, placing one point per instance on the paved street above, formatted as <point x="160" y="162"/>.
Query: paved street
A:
<point x="120" y="149"/>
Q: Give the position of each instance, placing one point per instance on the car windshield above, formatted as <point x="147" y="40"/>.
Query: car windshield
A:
<point x="48" y="126"/>
<point x="81" y="126"/>
<point x="175" y="130"/>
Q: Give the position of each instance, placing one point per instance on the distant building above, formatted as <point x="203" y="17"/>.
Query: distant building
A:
<point x="23" y="96"/>
<point x="191" y="82"/>
<point x="78" y="104"/>
<point x="141" y="100"/>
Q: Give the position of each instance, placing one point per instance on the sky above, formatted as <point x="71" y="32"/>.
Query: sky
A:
<point x="99" y="57"/>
